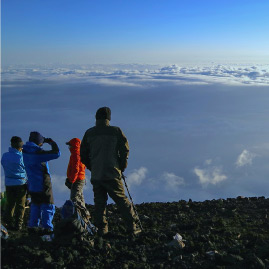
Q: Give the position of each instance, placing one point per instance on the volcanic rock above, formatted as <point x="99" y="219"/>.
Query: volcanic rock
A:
<point x="231" y="233"/>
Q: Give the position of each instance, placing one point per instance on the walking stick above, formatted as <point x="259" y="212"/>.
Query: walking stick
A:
<point x="124" y="177"/>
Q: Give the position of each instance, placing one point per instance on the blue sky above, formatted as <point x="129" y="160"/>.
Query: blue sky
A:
<point x="187" y="81"/>
<point x="160" y="32"/>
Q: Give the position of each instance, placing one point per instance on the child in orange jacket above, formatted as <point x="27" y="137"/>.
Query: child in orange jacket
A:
<point x="75" y="172"/>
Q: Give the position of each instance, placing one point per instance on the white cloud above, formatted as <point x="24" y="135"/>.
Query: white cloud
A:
<point x="225" y="74"/>
<point x="172" y="182"/>
<point x="245" y="158"/>
<point x="137" y="176"/>
<point x="116" y="82"/>
<point x="135" y="75"/>
<point x="210" y="175"/>
<point x="171" y="69"/>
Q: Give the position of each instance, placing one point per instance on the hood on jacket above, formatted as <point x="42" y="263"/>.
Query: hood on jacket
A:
<point x="14" y="150"/>
<point x="31" y="147"/>
<point x="75" y="144"/>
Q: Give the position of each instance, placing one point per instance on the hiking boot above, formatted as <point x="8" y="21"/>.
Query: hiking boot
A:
<point x="102" y="232"/>
<point x="45" y="231"/>
<point x="33" y="230"/>
<point x="108" y="235"/>
<point x="17" y="227"/>
<point x="135" y="231"/>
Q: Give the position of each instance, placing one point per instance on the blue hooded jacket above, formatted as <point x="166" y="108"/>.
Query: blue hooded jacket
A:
<point x="12" y="162"/>
<point x="35" y="160"/>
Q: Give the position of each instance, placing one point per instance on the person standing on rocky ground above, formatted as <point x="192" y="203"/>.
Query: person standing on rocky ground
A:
<point x="36" y="159"/>
<point x="105" y="150"/>
<point x="75" y="180"/>
<point x="16" y="185"/>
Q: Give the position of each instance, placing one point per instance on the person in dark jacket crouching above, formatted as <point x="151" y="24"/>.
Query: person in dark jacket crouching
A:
<point x="104" y="150"/>
<point x="16" y="184"/>
<point x="39" y="181"/>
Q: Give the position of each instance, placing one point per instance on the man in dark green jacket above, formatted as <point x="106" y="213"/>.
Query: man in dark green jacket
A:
<point x="104" y="150"/>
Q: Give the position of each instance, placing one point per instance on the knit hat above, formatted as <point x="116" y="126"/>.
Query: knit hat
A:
<point x="16" y="142"/>
<point x="36" y="137"/>
<point x="103" y="113"/>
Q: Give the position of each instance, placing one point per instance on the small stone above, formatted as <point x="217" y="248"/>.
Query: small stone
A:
<point x="211" y="254"/>
<point x="176" y="243"/>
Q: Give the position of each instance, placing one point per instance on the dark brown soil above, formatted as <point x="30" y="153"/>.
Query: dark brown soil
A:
<point x="231" y="233"/>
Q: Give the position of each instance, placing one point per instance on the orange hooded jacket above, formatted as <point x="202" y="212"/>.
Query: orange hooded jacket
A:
<point x="76" y="169"/>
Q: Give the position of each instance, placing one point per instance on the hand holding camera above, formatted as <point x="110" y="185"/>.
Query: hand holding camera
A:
<point x="48" y="140"/>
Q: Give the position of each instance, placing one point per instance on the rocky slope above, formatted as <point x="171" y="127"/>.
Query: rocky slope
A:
<point x="230" y="233"/>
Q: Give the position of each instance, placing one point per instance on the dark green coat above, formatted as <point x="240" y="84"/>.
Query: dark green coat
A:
<point x="104" y="150"/>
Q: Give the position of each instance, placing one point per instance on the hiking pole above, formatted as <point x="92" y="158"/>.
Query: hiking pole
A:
<point x="124" y="177"/>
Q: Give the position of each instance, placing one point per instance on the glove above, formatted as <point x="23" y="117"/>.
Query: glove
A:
<point x="68" y="184"/>
<point x="48" y="140"/>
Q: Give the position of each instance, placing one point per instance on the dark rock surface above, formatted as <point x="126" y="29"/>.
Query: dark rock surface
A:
<point x="231" y="233"/>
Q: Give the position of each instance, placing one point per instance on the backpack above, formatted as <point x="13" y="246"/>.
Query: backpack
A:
<point x="75" y="222"/>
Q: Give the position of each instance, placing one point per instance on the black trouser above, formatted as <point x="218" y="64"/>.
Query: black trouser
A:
<point x="16" y="197"/>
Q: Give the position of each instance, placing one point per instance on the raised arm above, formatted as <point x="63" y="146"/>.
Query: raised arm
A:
<point x="47" y="155"/>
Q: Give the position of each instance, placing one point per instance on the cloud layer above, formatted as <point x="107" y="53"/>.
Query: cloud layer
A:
<point x="137" y="75"/>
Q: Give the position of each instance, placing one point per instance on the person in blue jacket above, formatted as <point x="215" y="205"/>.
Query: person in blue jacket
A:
<point x="16" y="184"/>
<point x="39" y="181"/>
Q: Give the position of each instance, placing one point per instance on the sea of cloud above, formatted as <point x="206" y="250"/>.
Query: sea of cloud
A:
<point x="195" y="132"/>
<point x="142" y="75"/>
